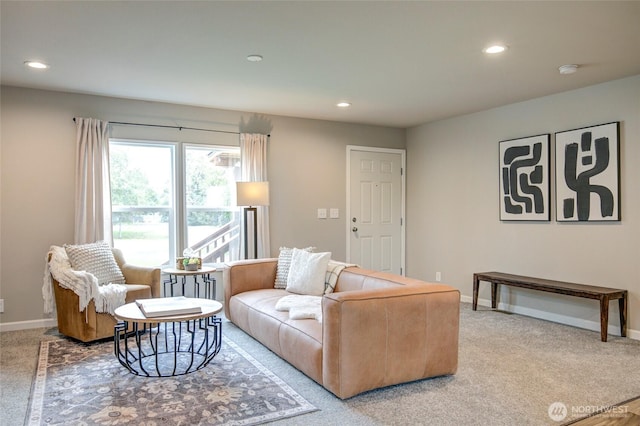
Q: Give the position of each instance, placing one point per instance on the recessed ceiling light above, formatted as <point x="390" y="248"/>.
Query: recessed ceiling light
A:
<point x="496" y="48"/>
<point x="568" y="69"/>
<point x="254" y="58"/>
<point x="36" y="64"/>
<point x="343" y="104"/>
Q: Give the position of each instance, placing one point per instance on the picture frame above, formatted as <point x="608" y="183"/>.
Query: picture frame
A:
<point x="588" y="173"/>
<point x="524" y="179"/>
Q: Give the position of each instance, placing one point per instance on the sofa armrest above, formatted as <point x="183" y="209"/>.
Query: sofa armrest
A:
<point x="142" y="275"/>
<point x="246" y="275"/>
<point x="380" y="337"/>
<point x="139" y="274"/>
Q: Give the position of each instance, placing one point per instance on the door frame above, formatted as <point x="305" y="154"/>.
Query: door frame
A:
<point x="403" y="173"/>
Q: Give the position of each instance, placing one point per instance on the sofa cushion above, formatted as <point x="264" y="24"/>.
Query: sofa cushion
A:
<point x="284" y="262"/>
<point x="241" y="304"/>
<point x="307" y="272"/>
<point x="96" y="259"/>
<point x="297" y="341"/>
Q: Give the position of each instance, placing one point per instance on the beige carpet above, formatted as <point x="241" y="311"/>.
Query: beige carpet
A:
<point x="512" y="369"/>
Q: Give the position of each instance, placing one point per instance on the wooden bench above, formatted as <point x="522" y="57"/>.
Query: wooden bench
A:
<point x="603" y="294"/>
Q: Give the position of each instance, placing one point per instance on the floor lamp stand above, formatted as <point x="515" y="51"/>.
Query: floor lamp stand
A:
<point x="255" y="232"/>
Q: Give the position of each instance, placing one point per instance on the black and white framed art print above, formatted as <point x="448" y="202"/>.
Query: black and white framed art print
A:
<point x="524" y="179"/>
<point x="588" y="174"/>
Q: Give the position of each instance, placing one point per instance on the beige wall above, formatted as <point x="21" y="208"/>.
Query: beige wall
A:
<point x="452" y="178"/>
<point x="307" y="171"/>
<point x="452" y="213"/>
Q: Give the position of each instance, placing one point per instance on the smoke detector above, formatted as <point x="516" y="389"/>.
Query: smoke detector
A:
<point x="568" y="69"/>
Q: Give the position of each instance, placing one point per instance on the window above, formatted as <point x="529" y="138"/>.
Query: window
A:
<point x="170" y="196"/>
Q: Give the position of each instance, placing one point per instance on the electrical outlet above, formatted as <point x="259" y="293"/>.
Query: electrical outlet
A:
<point x="438" y="276"/>
<point x="1" y="306"/>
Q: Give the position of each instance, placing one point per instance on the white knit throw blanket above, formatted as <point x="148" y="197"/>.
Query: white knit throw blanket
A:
<point x="106" y="297"/>
<point x="301" y="306"/>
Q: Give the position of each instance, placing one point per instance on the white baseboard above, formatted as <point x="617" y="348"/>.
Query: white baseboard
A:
<point x="26" y="325"/>
<point x="535" y="313"/>
<point x="548" y="316"/>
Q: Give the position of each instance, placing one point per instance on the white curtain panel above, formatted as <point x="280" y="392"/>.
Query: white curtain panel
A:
<point x="253" y="152"/>
<point x="93" y="193"/>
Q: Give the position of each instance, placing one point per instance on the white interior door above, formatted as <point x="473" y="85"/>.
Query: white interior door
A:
<point x="375" y="204"/>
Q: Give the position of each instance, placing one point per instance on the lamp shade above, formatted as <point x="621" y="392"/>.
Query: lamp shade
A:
<point x="252" y="193"/>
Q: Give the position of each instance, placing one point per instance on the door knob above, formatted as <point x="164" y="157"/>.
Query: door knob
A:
<point x="354" y="229"/>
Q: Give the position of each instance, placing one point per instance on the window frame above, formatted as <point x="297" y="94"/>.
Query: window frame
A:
<point x="178" y="226"/>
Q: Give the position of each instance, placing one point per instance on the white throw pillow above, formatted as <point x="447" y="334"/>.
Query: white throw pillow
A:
<point x="96" y="259"/>
<point x="307" y="272"/>
<point x="284" y="262"/>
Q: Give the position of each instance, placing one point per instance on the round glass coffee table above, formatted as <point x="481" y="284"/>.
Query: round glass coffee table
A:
<point x="170" y="345"/>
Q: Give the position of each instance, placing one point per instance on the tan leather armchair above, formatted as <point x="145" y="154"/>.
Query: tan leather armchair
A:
<point x="89" y="325"/>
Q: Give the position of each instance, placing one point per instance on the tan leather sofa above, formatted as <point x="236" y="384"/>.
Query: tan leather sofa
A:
<point x="378" y="329"/>
<point x="89" y="325"/>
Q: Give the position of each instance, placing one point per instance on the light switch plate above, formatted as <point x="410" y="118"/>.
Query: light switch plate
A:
<point x="322" y="213"/>
<point x="334" y="213"/>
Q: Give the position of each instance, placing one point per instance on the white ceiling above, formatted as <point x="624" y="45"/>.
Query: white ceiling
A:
<point x="400" y="63"/>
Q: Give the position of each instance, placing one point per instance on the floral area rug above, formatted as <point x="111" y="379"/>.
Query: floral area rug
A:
<point x="84" y="384"/>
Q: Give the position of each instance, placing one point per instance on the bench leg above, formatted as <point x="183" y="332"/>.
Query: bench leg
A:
<point x="494" y="295"/>
<point x="476" y="285"/>
<point x="604" y="317"/>
<point x="622" y="304"/>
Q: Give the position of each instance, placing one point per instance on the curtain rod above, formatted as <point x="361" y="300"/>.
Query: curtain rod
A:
<point x="172" y="127"/>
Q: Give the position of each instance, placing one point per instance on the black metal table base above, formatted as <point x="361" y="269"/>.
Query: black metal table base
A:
<point x="168" y="348"/>
<point x="208" y="282"/>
